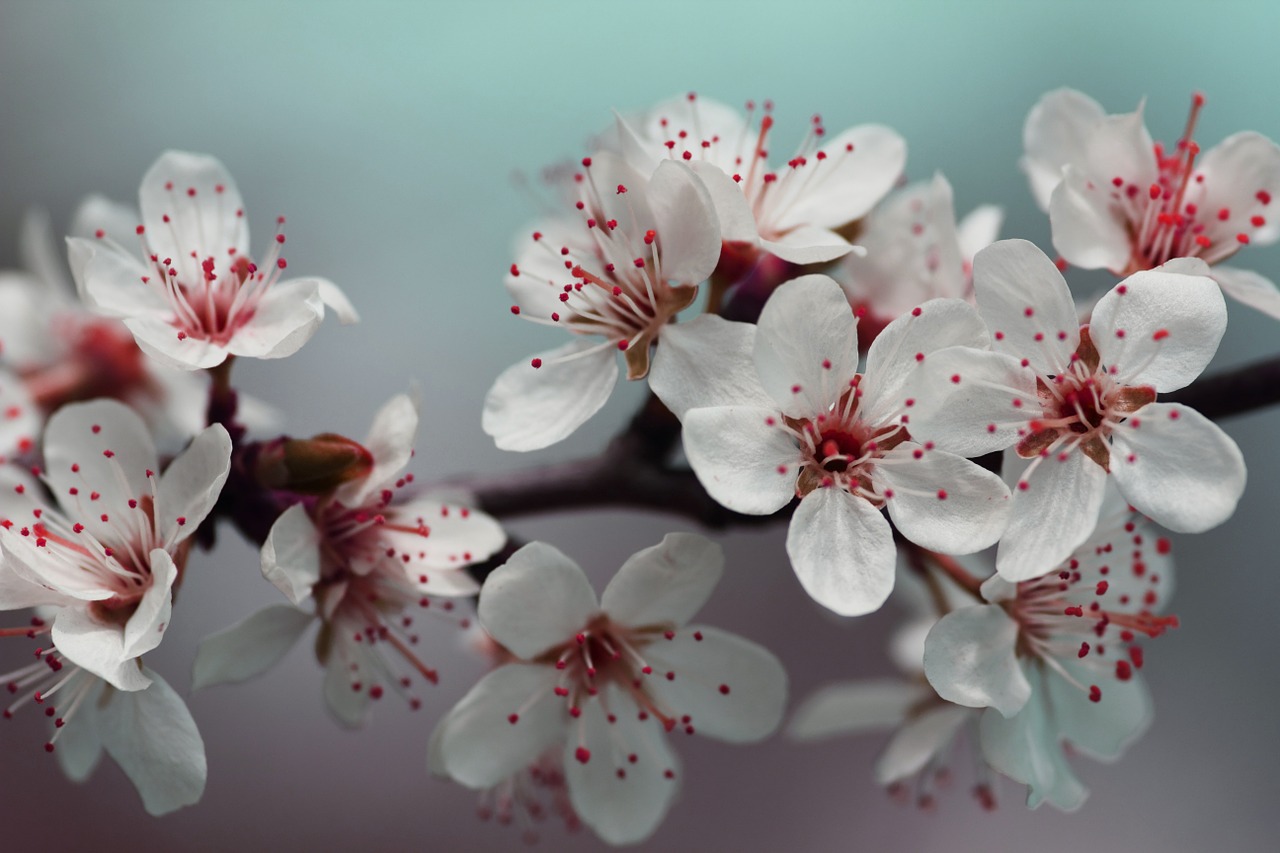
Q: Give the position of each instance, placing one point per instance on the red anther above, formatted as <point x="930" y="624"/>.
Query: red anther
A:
<point x="99" y="233"/>
<point x="1135" y="655"/>
<point x="1101" y="588"/>
<point x="1117" y="181"/>
<point x="513" y="718"/>
<point x="281" y="263"/>
<point x="1084" y="650"/>
<point x="1160" y="334"/>
<point x="536" y="362"/>
<point x="280" y="238"/>
<point x="1257" y="221"/>
<point x="942" y="494"/>
<point x="515" y="309"/>
<point x="724" y="690"/>
<point x="1242" y="239"/>
<point x="621" y="189"/>
<point x="582" y="754"/>
<point x="1095" y="694"/>
<point x="649" y="236"/>
<point x="1224" y="214"/>
<point x="586" y="162"/>
<point x="1123" y="670"/>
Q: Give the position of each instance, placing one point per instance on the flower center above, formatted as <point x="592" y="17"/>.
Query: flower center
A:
<point x="101" y="361"/>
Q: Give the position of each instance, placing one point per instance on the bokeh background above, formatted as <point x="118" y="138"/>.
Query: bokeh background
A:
<point x="389" y="134"/>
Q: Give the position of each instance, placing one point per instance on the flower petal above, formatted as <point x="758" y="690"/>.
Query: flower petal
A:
<point x="841" y="549"/>
<point x="284" y="320"/>
<point x="808" y="244"/>
<point x="979" y="229"/>
<point x="918" y="741"/>
<point x="109" y="280"/>
<point x="1102" y="729"/>
<point x="706" y="363"/>
<point x="159" y="340"/>
<point x="456" y="536"/>
<point x="862" y="164"/>
<point x="204" y="209"/>
<point x="190" y="486"/>
<point x="79" y="749"/>
<point x="737" y="223"/>
<point x="687" y="225"/>
<point x="390" y="443"/>
<point x="536" y="600"/>
<point x="336" y="301"/>
<point x="943" y="502"/>
<point x="1025" y="749"/>
<point x="250" y="647"/>
<point x="1020" y="295"/>
<point x="666" y="583"/>
<point x="1087" y="231"/>
<point x="1056" y="511"/>
<point x="743" y="457"/>
<point x="1250" y="288"/>
<point x="146" y="625"/>
<point x="971" y="402"/>
<point x="806" y="349"/>
<point x="1236" y="171"/>
<point x="291" y="555"/>
<point x="970" y="659"/>
<point x="1056" y="134"/>
<point x="854" y="707"/>
<point x="97" y="648"/>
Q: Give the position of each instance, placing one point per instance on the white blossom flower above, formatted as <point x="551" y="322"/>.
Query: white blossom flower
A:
<point x="197" y="297"/>
<point x="111" y="551"/>
<point x="1079" y="402"/>
<point x="361" y="558"/>
<point x="1056" y="658"/>
<point x="605" y="680"/>
<point x="619" y="272"/>
<point x="778" y="410"/>
<point x="791" y="212"/>
<point x="1117" y="200"/>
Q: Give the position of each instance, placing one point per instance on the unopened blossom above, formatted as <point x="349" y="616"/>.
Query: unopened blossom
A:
<point x="613" y="276"/>
<point x="1056" y="659"/>
<point x="792" y="211"/>
<point x="1079" y="402"/>
<point x="604" y="681"/>
<point x="111" y="548"/>
<point x="915" y="252"/>
<point x="197" y="296"/>
<point x="1117" y="200"/>
<point x="360" y="560"/>
<point x="778" y="411"/>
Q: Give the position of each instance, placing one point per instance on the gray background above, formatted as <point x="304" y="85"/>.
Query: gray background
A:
<point x="388" y="135"/>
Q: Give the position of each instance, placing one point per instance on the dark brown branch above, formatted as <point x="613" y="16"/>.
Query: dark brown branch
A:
<point x="1234" y="392"/>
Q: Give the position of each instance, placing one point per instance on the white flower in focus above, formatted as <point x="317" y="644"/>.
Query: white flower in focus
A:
<point x="613" y="276"/>
<point x="790" y="212"/>
<point x="1056" y="658"/>
<point x="363" y="557"/>
<point x="198" y="297"/>
<point x="112" y="548"/>
<point x="778" y="410"/>
<point x="1079" y="402"/>
<point x="1120" y="201"/>
<point x="604" y="681"/>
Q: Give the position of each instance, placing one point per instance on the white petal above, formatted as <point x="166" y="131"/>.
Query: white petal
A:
<point x="191" y="484"/>
<point x="531" y="408"/>
<point x="976" y="414"/>
<point x="666" y="583"/>
<point x="979" y="229"/>
<point x="1025" y="748"/>
<point x="536" y="600"/>
<point x="808" y="244"/>
<point x="1056" y="134"/>
<point x="478" y="744"/>
<point x="250" y="647"/>
<point x="1012" y="278"/>
<point x="737" y="224"/>
<point x="1235" y="171"/>
<point x="19" y="590"/>
<point x="1087" y="231"/>
<point x="841" y="549"/>
<point x="687" y="225"/>
<point x="919" y="740"/>
<point x="285" y="319"/>
<point x="151" y="735"/>
<point x="806" y="348"/>
<point x="39" y="250"/>
<point x="970" y="659"/>
<point x="337" y="302"/>
<point x="348" y="705"/>
<point x="291" y="555"/>
<point x="457" y="536"/>
<point x="97" y="648"/>
<point x="78" y="748"/>
<point x="707" y="363"/>
<point x="390" y="443"/>
<point x="943" y="502"/>
<point x="1159" y="328"/>
<point x="1102" y="729"/>
<point x="627" y="809"/>
<point x="1055" y="513"/>
<point x="1250" y="288"/>
<point x="1178" y="467"/>
<point x="1120" y="146"/>
<point x="854" y="707"/>
<point x="95" y="212"/>
<point x="208" y="222"/>
<point x="743" y="457"/>
<point x="109" y="280"/>
<point x="848" y="182"/>
<point x="146" y="626"/>
<point x="730" y="688"/>
<point x="160" y="341"/>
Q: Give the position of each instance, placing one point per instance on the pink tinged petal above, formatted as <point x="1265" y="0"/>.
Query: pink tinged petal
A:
<point x="685" y="219"/>
<point x="479" y="746"/>
<point x="737" y="223"/>
<point x="350" y="708"/>
<point x="841" y="549"/>
<point x="854" y="707"/>
<point x="1248" y="287"/>
<point x="809" y="244"/>
<point x="1159" y="328"/>
<point x="1177" y="467"/>
<point x="943" y="502"/>
<point x="1021" y="295"/>
<point x="390" y="443"/>
<point x="970" y="402"/>
<point x="849" y="182"/>
<point x="918" y="741"/>
<point x="1056" y="511"/>
<point x="250" y="647"/>
<point x="160" y="341"/>
<point x="806" y="349"/>
<point x="1025" y="748"/>
<point x="1087" y="232"/>
<point x="666" y="583"/>
<point x="626" y="807"/>
<point x="730" y="688"/>
<point x="284" y="320"/>
<point x="145" y="628"/>
<point x="1235" y="171"/>
<point x="979" y="229"/>
<point x="191" y="484"/>
<point x="908" y="341"/>
<point x="290" y="557"/>
<point x="153" y="738"/>
<point x="1102" y="729"/>
<point x="743" y="457"/>
<point x="79" y="748"/>
<point x="209" y="221"/>
<point x="537" y="599"/>
<point x="1056" y="134"/>
<point x="970" y="659"/>
<point x="336" y="301"/>
<point x="97" y="648"/>
<point x="707" y="363"/>
<point x="531" y="408"/>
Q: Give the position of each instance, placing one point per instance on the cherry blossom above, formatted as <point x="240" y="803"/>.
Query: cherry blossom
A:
<point x="1079" y="402"/>
<point x="1120" y="201"/>
<point x="1056" y="658"/>
<point x="791" y="212"/>
<point x="604" y="680"/>
<point x="198" y="297"/>
<point x="790" y="416"/>
<point x="362" y="558"/>
<point x="619" y="271"/>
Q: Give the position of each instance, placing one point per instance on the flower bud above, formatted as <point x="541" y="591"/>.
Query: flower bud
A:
<point x="312" y="466"/>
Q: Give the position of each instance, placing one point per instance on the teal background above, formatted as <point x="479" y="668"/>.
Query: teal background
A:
<point x="389" y="134"/>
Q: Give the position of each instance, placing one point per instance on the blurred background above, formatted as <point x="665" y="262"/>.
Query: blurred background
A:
<point x="390" y="135"/>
